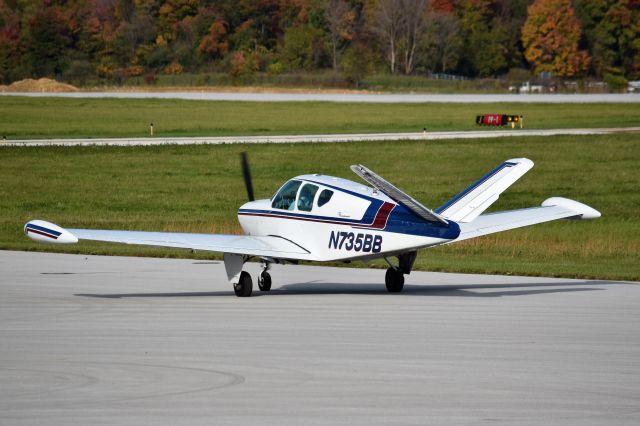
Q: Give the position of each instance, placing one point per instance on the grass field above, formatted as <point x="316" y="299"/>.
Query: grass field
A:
<point x="22" y="118"/>
<point x="199" y="188"/>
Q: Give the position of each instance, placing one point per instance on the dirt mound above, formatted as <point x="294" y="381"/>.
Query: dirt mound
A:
<point x="41" y="85"/>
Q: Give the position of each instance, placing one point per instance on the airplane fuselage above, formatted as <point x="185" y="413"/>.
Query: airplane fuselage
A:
<point x="355" y="222"/>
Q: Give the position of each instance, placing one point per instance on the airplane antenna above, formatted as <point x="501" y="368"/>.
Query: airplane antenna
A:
<point x="247" y="175"/>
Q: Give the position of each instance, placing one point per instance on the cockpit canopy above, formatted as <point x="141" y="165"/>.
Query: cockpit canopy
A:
<point x="301" y="196"/>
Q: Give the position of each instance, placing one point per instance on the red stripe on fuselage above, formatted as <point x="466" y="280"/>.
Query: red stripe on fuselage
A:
<point x="35" y="231"/>
<point x="382" y="216"/>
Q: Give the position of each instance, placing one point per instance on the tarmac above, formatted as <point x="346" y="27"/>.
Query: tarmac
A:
<point x="116" y="340"/>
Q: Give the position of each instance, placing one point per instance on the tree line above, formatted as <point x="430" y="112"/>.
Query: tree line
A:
<point x="113" y="40"/>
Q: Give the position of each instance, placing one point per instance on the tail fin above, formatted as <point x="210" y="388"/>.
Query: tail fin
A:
<point x="471" y="202"/>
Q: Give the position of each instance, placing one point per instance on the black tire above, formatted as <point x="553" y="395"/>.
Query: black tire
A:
<point x="394" y="280"/>
<point x="264" y="282"/>
<point x="244" y="286"/>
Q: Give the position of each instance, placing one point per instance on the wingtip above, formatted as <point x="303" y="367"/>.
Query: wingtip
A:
<point x="47" y="232"/>
<point x="523" y="161"/>
<point x="583" y="211"/>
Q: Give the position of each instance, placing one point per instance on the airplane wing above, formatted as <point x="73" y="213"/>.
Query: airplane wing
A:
<point x="264" y="246"/>
<point x="551" y="209"/>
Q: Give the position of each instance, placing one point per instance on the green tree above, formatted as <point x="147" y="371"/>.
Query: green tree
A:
<point x="486" y="37"/>
<point x="303" y="47"/>
<point x="355" y="64"/>
<point x="10" y="42"/>
<point x="47" y="41"/>
<point x="612" y="31"/>
<point x="550" y="37"/>
<point x="441" y="43"/>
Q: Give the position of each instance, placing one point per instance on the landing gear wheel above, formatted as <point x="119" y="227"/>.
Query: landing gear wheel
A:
<point x="244" y="287"/>
<point x="394" y="279"/>
<point x="264" y="281"/>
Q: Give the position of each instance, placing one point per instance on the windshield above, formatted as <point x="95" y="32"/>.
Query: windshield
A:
<point x="286" y="197"/>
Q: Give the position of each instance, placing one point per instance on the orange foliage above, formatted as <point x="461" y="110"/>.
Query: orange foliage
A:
<point x="444" y="6"/>
<point x="215" y="43"/>
<point x="550" y="37"/>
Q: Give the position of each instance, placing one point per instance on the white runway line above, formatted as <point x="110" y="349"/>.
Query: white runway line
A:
<point x="117" y="340"/>
<point x="329" y="138"/>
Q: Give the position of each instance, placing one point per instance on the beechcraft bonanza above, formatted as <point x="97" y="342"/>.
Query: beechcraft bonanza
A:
<point x="322" y="218"/>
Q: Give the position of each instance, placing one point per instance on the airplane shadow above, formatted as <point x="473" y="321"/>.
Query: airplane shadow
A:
<point x="449" y="290"/>
<point x="151" y="295"/>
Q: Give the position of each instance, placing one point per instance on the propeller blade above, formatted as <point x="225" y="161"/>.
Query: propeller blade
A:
<point x="247" y="175"/>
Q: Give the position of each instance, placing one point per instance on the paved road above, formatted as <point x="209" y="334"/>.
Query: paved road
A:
<point x="108" y="340"/>
<point x="318" y="138"/>
<point x="349" y="97"/>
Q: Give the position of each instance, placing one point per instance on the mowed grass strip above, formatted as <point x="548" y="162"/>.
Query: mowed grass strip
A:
<point x="199" y="188"/>
<point x="25" y="118"/>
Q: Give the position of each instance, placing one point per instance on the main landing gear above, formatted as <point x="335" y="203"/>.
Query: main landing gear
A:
<point x="394" y="278"/>
<point x="244" y="285"/>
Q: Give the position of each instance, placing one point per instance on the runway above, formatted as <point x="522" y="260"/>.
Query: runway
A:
<point x="327" y="138"/>
<point x="113" y="340"/>
<point x="313" y="96"/>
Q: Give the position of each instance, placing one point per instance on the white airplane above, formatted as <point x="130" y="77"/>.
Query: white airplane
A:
<point x="323" y="218"/>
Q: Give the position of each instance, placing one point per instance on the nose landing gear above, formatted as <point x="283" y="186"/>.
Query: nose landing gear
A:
<point x="264" y="280"/>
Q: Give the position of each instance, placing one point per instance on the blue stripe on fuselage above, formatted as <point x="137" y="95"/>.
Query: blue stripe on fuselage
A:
<point x="404" y="221"/>
<point x="43" y="229"/>
<point x="291" y="215"/>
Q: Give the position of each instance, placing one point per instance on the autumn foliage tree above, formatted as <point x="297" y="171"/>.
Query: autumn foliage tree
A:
<point x="400" y="25"/>
<point x="340" y="19"/>
<point x="550" y="37"/>
<point x="113" y="41"/>
<point x="612" y="31"/>
<point x="215" y="43"/>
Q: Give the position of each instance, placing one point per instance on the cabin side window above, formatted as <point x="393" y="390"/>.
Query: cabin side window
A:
<point x="324" y="197"/>
<point x="305" y="199"/>
<point x="285" y="199"/>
